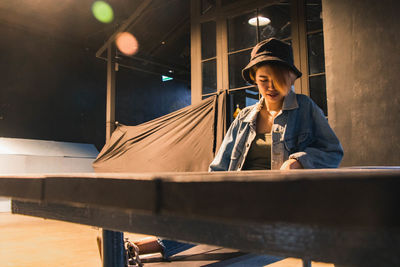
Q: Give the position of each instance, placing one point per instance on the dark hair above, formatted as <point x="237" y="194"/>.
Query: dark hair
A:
<point x="282" y="75"/>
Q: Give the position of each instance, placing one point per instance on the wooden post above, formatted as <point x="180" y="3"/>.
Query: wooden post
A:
<point x="110" y="102"/>
<point x="112" y="242"/>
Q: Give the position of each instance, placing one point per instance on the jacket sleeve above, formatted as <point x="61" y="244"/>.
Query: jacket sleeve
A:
<point x="325" y="151"/>
<point x="223" y="157"/>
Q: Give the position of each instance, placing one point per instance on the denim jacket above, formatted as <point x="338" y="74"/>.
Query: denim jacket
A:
<point x="300" y="131"/>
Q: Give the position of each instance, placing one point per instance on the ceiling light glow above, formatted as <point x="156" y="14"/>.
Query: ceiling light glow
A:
<point x="262" y="21"/>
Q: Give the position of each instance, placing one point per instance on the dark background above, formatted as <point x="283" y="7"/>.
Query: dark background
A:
<point x="54" y="88"/>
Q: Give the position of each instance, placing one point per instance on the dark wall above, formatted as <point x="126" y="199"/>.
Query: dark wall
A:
<point x="141" y="97"/>
<point x="52" y="89"/>
<point x="362" y="44"/>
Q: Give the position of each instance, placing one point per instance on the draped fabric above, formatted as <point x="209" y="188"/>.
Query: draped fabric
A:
<point x="183" y="141"/>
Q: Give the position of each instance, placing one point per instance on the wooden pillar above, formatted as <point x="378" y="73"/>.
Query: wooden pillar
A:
<point x="195" y="53"/>
<point x="112" y="242"/>
<point x="110" y="102"/>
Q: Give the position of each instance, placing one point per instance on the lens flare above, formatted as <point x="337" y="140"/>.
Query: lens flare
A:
<point x="127" y="43"/>
<point x="102" y="11"/>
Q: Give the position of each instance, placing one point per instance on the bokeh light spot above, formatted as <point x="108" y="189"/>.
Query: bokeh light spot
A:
<point x="102" y="11"/>
<point x="127" y="43"/>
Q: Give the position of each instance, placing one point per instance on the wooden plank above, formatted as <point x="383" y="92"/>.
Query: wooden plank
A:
<point x="348" y="199"/>
<point x="325" y="197"/>
<point x="345" y="216"/>
<point x="344" y="245"/>
<point x="118" y="193"/>
<point x="25" y="187"/>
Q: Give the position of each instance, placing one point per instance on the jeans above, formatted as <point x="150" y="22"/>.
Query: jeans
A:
<point x="171" y="247"/>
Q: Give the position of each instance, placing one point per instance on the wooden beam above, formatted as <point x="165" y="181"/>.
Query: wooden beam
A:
<point x="24" y="187"/>
<point x="350" y="246"/>
<point x="195" y="53"/>
<point x="345" y="216"/>
<point x="303" y="47"/>
<point x="110" y="97"/>
<point x="359" y="198"/>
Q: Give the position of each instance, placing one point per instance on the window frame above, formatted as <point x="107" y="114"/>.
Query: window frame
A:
<point x="220" y="14"/>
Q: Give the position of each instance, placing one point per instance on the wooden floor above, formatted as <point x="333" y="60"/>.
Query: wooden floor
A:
<point x="30" y="241"/>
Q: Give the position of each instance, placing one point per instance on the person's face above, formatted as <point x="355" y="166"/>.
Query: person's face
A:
<point x="266" y="87"/>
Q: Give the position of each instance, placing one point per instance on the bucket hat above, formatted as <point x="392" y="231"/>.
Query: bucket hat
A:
<point x="270" y="50"/>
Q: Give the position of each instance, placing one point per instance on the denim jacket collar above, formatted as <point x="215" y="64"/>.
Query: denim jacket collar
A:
<point x="289" y="103"/>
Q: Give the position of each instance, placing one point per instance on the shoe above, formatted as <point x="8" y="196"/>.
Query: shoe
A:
<point x="132" y="254"/>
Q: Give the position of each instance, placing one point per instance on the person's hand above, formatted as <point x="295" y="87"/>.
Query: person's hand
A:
<point x="291" y="164"/>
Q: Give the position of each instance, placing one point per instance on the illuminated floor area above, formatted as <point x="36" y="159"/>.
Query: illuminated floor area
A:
<point x="30" y="241"/>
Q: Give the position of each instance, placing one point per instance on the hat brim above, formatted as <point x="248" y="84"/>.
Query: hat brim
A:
<point x="266" y="59"/>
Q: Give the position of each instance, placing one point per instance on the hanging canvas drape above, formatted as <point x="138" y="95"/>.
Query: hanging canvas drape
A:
<point x="183" y="141"/>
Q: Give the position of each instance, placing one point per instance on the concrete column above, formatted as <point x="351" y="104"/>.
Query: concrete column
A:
<point x="362" y="57"/>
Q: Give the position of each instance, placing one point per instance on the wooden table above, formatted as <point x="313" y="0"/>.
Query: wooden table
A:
<point x="345" y="216"/>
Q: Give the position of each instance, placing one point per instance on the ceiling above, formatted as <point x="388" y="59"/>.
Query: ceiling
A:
<point x="162" y="28"/>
